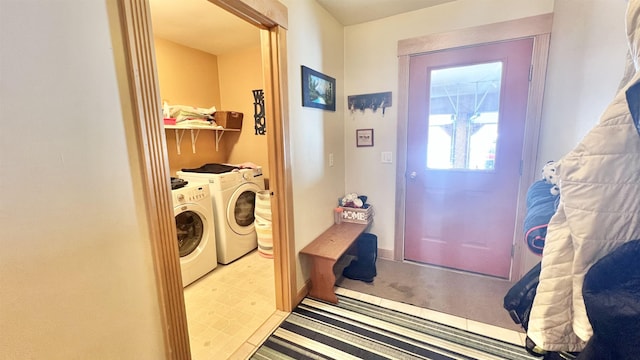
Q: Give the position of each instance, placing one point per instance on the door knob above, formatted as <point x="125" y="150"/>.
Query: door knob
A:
<point x="413" y="175"/>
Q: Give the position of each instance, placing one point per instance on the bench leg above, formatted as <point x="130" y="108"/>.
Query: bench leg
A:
<point x="323" y="280"/>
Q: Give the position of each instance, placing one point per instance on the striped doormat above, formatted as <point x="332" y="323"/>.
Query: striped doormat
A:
<point x="354" y="329"/>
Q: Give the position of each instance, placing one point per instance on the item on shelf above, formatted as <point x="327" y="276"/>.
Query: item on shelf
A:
<point x="337" y="215"/>
<point x="169" y="121"/>
<point x="354" y="200"/>
<point x="357" y="215"/>
<point x="355" y="209"/>
<point x="228" y="119"/>
<point x="177" y="183"/>
<point x="212" y="168"/>
<point x="186" y="112"/>
<point x="196" y="123"/>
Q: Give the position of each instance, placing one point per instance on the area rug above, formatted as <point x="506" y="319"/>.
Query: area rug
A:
<point x="354" y="329"/>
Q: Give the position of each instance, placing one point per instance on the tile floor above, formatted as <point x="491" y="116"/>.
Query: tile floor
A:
<point x="506" y="335"/>
<point x="231" y="311"/>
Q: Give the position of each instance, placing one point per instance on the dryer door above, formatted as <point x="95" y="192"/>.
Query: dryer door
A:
<point x="192" y="229"/>
<point x="241" y="209"/>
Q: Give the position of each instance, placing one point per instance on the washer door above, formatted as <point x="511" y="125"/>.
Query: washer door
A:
<point x="192" y="228"/>
<point x="241" y="209"/>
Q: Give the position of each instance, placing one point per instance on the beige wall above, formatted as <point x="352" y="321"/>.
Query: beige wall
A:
<point x="188" y="76"/>
<point x="586" y="63"/>
<point x="75" y="267"/>
<point x="315" y="39"/>
<point x="240" y="74"/>
<point x="205" y="149"/>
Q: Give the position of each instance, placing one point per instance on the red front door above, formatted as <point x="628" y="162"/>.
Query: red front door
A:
<point x="467" y="111"/>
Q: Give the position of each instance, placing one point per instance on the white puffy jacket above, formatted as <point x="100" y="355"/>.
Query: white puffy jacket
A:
<point x="598" y="211"/>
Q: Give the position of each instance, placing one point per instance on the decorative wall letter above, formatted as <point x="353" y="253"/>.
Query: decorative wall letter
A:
<point x="258" y="109"/>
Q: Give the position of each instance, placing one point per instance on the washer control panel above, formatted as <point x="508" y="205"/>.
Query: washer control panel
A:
<point x="191" y="193"/>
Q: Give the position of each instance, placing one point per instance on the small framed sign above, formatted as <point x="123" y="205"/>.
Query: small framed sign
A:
<point x="364" y="137"/>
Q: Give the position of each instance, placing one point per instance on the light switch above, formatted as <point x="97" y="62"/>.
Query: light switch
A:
<point x="386" y="157"/>
<point x="330" y="159"/>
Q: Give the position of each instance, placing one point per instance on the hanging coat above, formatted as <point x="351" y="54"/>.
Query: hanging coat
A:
<point x="599" y="210"/>
<point x="612" y="297"/>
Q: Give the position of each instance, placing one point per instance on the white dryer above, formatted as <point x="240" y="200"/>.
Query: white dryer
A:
<point x="194" y="219"/>
<point x="234" y="198"/>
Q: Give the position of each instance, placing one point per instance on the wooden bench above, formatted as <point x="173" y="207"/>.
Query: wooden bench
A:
<point x="324" y="252"/>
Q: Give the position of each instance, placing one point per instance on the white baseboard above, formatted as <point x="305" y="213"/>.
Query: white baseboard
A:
<point x="385" y="254"/>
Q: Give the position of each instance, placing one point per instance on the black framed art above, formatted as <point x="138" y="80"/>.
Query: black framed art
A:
<point x="318" y="90"/>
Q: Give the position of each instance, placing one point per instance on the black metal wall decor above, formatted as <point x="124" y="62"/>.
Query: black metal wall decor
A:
<point x="258" y="109"/>
<point x="370" y="101"/>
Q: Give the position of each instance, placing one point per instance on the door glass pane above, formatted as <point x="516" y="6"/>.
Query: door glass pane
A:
<point x="464" y="105"/>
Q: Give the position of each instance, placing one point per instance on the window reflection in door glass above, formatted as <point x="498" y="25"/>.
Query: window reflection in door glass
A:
<point x="464" y="104"/>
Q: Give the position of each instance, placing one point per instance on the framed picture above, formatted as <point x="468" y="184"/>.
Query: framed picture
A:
<point x="318" y="90"/>
<point x="364" y="137"/>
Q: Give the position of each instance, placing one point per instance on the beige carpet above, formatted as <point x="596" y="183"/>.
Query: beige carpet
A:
<point x="469" y="296"/>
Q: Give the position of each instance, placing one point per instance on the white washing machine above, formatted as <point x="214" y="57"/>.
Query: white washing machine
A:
<point x="193" y="213"/>
<point x="234" y="198"/>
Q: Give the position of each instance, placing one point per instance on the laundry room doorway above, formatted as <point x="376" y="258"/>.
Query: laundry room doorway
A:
<point x="140" y="94"/>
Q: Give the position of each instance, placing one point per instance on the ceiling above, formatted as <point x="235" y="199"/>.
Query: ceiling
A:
<point x="202" y="25"/>
<point x="351" y="12"/>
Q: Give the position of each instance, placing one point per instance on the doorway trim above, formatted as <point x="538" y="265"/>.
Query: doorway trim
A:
<point x="536" y="27"/>
<point x="140" y="77"/>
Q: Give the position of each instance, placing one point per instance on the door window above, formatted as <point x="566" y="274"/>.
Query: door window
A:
<point x="190" y="229"/>
<point x="464" y="103"/>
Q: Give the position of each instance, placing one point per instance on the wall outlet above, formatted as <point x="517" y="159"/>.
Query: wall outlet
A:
<point x="330" y="159"/>
<point x="386" y="157"/>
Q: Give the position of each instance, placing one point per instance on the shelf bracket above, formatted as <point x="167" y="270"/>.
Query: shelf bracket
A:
<point x="179" y="134"/>
<point x="219" y="134"/>
<point x="179" y="131"/>
<point x="193" y="140"/>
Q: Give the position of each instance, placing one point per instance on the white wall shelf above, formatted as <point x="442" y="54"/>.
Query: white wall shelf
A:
<point x="180" y="129"/>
